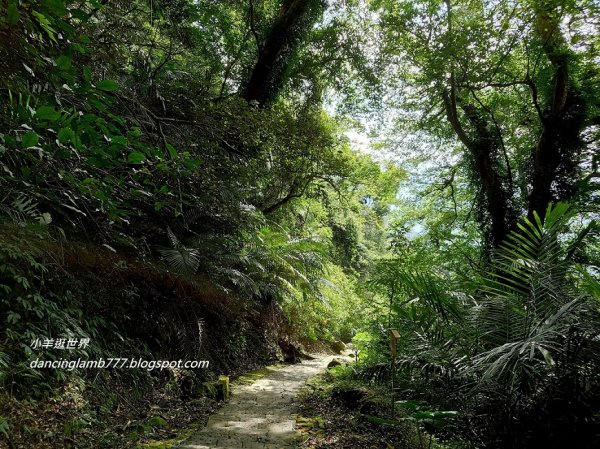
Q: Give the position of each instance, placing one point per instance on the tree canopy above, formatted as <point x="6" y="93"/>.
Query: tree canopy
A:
<point x="313" y="171"/>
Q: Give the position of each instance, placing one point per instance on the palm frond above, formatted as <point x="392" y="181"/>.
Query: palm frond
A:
<point x="529" y="305"/>
<point x="181" y="259"/>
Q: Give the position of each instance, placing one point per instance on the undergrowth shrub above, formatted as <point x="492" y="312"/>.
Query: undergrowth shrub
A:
<point x="517" y="355"/>
<point x="332" y="314"/>
<point x="38" y="303"/>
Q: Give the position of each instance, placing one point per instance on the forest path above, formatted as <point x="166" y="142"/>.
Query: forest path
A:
<point x="261" y="415"/>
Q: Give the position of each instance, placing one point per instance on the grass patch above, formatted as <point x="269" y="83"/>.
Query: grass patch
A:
<point x="182" y="435"/>
<point x="252" y="376"/>
<point x="339" y="411"/>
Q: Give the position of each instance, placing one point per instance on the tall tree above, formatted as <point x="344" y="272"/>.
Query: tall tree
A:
<point x="268" y="75"/>
<point x="485" y="145"/>
<point x="513" y="89"/>
<point x="563" y="118"/>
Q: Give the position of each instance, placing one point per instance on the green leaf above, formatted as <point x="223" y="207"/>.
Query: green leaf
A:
<point x="13" y="317"/>
<point x="445" y="414"/>
<point x="136" y="157"/>
<point x="80" y="14"/>
<point x="87" y="73"/>
<point x="134" y="132"/>
<point x="4" y="427"/>
<point x="108" y="85"/>
<point x="118" y="140"/>
<point x="45" y="23"/>
<point x="192" y="164"/>
<point x="172" y="151"/>
<point x="576" y="39"/>
<point x="30" y="139"/>
<point x="419" y="416"/>
<point x="100" y="105"/>
<point x="12" y="14"/>
<point x="65" y="135"/>
<point x="55" y="7"/>
<point x="47" y="113"/>
<point x="98" y="161"/>
<point x="409" y="405"/>
<point x="63" y="62"/>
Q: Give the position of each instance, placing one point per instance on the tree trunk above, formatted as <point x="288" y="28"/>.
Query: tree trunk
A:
<point x="269" y="72"/>
<point x="558" y="148"/>
<point x="484" y="147"/>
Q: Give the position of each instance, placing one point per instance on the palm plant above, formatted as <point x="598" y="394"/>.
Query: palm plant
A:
<point x="265" y="261"/>
<point x="282" y="262"/>
<point x="434" y="316"/>
<point x="537" y="330"/>
<point x="531" y="304"/>
<point x="524" y="343"/>
<point x="180" y="258"/>
<point x="429" y="315"/>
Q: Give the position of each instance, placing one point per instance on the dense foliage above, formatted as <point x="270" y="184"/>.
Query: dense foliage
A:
<point x="174" y="171"/>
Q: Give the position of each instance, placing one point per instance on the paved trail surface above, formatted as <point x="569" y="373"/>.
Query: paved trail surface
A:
<point x="261" y="415"/>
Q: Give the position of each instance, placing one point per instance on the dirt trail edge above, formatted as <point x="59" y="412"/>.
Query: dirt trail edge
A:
<point x="261" y="415"/>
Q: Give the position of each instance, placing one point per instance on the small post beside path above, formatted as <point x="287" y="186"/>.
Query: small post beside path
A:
<point x="394" y="337"/>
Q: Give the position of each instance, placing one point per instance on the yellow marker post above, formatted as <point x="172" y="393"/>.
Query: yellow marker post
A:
<point x="394" y="337"/>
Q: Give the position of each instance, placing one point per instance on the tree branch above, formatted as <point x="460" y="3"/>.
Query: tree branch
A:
<point x="253" y="27"/>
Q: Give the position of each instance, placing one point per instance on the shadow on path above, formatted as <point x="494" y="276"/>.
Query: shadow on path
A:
<point x="261" y="415"/>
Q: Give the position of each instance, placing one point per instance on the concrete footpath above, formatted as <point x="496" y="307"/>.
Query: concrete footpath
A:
<point x="261" y="415"/>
